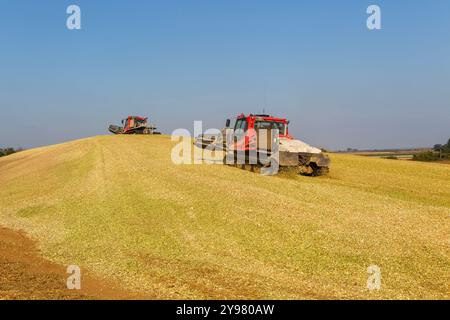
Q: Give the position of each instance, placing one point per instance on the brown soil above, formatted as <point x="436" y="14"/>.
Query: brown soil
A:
<point x="24" y="274"/>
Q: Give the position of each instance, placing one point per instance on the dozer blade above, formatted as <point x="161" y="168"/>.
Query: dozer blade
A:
<point x="115" y="129"/>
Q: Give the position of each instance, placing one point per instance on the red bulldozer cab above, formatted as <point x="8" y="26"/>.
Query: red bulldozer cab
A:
<point x="133" y="125"/>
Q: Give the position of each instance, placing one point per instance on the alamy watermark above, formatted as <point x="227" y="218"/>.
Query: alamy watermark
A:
<point x="74" y="280"/>
<point x="73" y="21"/>
<point x="374" y="20"/>
<point x="374" y="279"/>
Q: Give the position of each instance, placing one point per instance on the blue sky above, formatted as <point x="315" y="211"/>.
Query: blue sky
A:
<point x="314" y="62"/>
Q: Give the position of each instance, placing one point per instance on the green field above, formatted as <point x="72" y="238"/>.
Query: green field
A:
<point x="117" y="206"/>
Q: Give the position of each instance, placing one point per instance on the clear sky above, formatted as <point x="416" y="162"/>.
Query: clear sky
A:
<point x="314" y="62"/>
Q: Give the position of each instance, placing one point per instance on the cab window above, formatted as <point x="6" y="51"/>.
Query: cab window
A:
<point x="238" y="124"/>
<point x="244" y="125"/>
<point x="241" y="124"/>
<point x="269" y="125"/>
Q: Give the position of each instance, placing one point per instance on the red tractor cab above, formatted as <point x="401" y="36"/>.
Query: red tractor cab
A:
<point x="261" y="136"/>
<point x="133" y="125"/>
<point x="247" y="128"/>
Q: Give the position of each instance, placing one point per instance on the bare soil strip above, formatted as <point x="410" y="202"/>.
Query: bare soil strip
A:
<point x="24" y="274"/>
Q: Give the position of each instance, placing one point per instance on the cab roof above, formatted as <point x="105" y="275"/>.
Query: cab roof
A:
<point x="262" y="117"/>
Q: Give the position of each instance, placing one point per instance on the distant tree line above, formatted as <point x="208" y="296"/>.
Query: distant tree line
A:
<point x="439" y="152"/>
<point x="7" y="151"/>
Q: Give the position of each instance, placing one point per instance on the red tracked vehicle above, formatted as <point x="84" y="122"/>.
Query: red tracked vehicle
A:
<point x="253" y="136"/>
<point x="133" y="125"/>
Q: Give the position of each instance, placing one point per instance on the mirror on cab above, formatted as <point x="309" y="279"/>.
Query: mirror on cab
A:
<point x="227" y="123"/>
